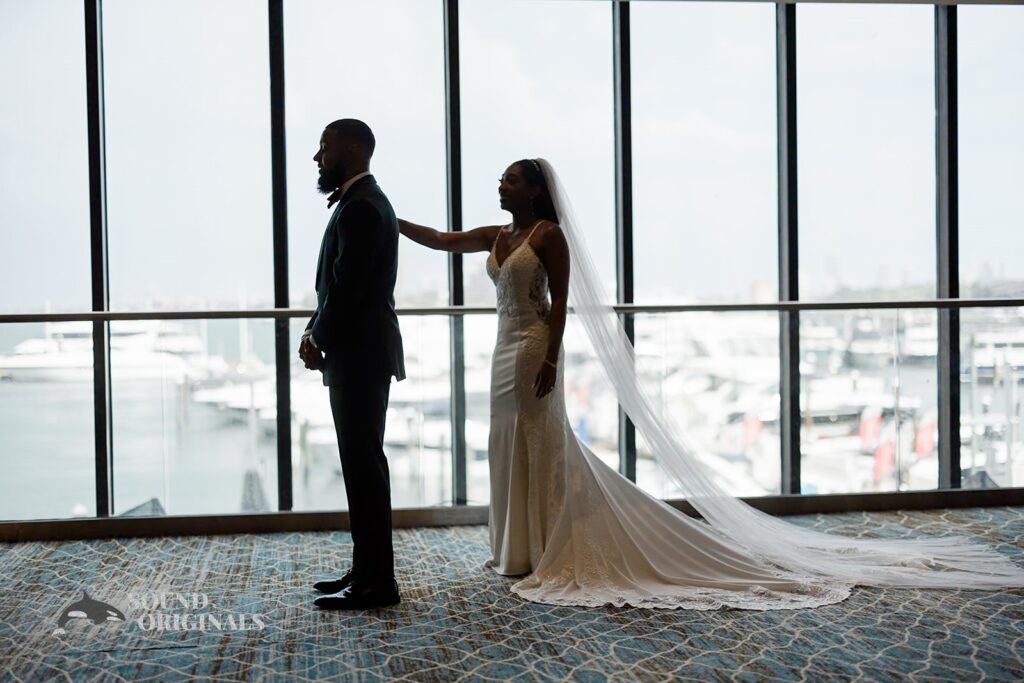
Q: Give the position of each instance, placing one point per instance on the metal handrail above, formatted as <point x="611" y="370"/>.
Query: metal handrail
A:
<point x="115" y="316"/>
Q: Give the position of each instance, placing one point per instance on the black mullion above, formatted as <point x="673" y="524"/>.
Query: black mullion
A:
<point x="947" y="245"/>
<point x="624" y="208"/>
<point x="279" y="196"/>
<point x="789" y="321"/>
<point x="456" y="296"/>
<point x="102" y="405"/>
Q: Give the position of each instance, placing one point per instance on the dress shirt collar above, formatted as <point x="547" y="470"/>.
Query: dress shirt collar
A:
<point x="351" y="181"/>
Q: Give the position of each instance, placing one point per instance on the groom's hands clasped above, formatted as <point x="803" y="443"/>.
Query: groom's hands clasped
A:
<point x="311" y="356"/>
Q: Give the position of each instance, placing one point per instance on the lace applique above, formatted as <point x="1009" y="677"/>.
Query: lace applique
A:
<point x="520" y="285"/>
<point x="558" y="591"/>
<point x="538" y="293"/>
<point x="505" y="302"/>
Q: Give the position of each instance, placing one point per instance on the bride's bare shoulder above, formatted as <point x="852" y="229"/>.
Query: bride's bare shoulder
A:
<point x="549" y="231"/>
<point x="544" y="227"/>
<point x="550" y="244"/>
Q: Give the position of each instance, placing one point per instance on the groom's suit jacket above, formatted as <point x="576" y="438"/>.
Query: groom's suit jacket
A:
<point x="355" y="324"/>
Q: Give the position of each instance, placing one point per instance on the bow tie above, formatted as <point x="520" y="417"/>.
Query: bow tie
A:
<point x="334" y="198"/>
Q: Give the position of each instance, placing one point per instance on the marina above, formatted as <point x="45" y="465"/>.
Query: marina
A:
<point x="194" y="410"/>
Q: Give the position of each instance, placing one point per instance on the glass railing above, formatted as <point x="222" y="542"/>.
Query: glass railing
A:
<point x="193" y="414"/>
<point x="47" y="441"/>
<point x="195" y="426"/>
<point x="868" y="400"/>
<point x="715" y="377"/>
<point x="417" y="432"/>
<point x="991" y="374"/>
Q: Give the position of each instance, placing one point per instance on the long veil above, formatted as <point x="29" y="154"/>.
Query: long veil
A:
<point x="942" y="562"/>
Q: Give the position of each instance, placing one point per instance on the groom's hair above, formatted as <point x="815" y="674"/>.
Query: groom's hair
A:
<point x="355" y="131"/>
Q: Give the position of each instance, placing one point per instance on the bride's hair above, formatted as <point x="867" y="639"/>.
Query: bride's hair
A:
<point x="543" y="205"/>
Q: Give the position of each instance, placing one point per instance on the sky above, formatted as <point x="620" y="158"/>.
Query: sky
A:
<point x="188" y="135"/>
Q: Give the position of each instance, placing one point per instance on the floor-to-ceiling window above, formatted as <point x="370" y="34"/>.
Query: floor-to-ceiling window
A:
<point x="704" y="193"/>
<point x="991" y="147"/>
<point x="866" y="141"/>
<point x="188" y="182"/>
<point x="186" y="99"/>
<point x="46" y="430"/>
<point x="382" y="63"/>
<point x="537" y="82"/>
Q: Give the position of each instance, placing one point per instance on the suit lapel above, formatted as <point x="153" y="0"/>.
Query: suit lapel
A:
<point x="323" y="245"/>
<point x="349" y="195"/>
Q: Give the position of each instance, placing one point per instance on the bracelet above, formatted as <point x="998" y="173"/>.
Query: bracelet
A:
<point x="551" y="364"/>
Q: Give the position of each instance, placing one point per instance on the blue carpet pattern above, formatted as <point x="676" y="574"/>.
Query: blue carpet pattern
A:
<point x="458" y="620"/>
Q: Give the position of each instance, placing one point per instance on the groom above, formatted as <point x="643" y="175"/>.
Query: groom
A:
<point x="354" y="339"/>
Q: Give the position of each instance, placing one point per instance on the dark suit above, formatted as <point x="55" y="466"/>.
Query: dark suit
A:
<point x="356" y="327"/>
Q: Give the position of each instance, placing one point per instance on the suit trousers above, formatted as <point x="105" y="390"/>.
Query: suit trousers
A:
<point x="359" y="407"/>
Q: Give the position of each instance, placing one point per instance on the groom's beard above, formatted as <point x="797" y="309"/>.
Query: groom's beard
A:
<point x="330" y="180"/>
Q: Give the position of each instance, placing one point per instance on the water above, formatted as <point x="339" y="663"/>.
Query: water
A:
<point x="192" y="457"/>
<point x="195" y="458"/>
<point x="189" y="456"/>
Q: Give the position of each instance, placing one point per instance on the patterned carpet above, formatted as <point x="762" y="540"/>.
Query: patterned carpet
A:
<point x="458" y="621"/>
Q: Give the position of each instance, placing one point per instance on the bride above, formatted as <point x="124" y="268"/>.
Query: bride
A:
<point x="580" y="532"/>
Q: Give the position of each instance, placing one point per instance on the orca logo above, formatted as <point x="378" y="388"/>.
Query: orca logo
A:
<point x="87" y="608"/>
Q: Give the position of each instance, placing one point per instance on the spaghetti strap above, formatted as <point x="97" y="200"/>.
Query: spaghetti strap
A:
<point x="535" y="226"/>
<point x="494" y="244"/>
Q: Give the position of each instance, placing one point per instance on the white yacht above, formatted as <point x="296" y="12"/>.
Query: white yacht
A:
<point x="149" y="349"/>
<point x="988" y="351"/>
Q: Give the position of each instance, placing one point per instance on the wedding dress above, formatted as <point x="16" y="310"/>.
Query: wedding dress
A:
<point x="585" y="535"/>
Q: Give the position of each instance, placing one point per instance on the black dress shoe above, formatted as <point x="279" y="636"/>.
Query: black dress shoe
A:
<point x="362" y="596"/>
<point x="335" y="585"/>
